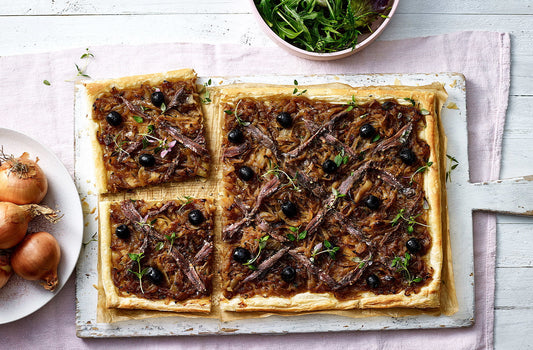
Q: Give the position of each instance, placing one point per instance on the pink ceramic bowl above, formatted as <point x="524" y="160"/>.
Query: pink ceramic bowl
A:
<point x="363" y="41"/>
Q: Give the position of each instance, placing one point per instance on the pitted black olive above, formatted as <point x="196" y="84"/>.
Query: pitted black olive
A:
<point x="367" y="131"/>
<point x="113" y="118"/>
<point x="372" y="202"/>
<point x="288" y="274"/>
<point x="413" y="245"/>
<point x="284" y="119"/>
<point x="373" y="281"/>
<point x="154" y="275"/>
<point x="329" y="166"/>
<point x="147" y="160"/>
<point x="122" y="231"/>
<point x="196" y="217"/>
<point x="407" y="156"/>
<point x="158" y="98"/>
<point x="245" y="173"/>
<point x="241" y="255"/>
<point x="236" y="136"/>
<point x="289" y="209"/>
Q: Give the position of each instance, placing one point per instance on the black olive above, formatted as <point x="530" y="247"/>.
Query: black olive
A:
<point x="288" y="274"/>
<point x="113" y="118"/>
<point x="122" y="231"/>
<point x="372" y="202"/>
<point x="387" y="105"/>
<point x="147" y="160"/>
<point x="372" y="281"/>
<point x="413" y="245"/>
<point x="284" y="119"/>
<point x="157" y="98"/>
<point x="241" y="255"/>
<point x="329" y="166"/>
<point x="289" y="209"/>
<point x="154" y="275"/>
<point x="367" y="131"/>
<point x="245" y="173"/>
<point x="236" y="136"/>
<point x="196" y="217"/>
<point x="407" y="156"/>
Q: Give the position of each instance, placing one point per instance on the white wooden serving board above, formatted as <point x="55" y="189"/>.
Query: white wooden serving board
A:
<point x="463" y="198"/>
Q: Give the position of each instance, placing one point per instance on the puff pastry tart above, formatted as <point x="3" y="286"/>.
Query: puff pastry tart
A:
<point x="157" y="255"/>
<point x="332" y="197"/>
<point x="148" y="130"/>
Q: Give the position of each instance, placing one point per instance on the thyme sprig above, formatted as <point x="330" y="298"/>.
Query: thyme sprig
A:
<point x="452" y="164"/>
<point x="137" y="258"/>
<point x="352" y="104"/>
<point x="329" y="249"/>
<point x="420" y="170"/>
<point x="341" y="158"/>
<point x="296" y="91"/>
<point x="262" y="244"/>
<point x="278" y="172"/>
<point x="206" y="98"/>
<point x="402" y="264"/>
<point x="236" y="114"/>
<point x="171" y="237"/>
<point x="297" y="235"/>
<point x="361" y="261"/>
<point x="411" y="220"/>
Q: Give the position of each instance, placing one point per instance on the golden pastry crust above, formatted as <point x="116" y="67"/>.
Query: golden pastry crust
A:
<point x="114" y="261"/>
<point x="172" y="133"/>
<point x="429" y="101"/>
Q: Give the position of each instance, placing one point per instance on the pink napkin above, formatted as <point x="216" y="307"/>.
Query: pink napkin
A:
<point x="46" y="114"/>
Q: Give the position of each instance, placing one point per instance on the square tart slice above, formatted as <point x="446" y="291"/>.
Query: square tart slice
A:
<point x="157" y="255"/>
<point x="148" y="130"/>
<point x="332" y="198"/>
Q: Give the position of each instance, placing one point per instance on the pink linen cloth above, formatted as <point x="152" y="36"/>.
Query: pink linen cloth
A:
<point x="45" y="113"/>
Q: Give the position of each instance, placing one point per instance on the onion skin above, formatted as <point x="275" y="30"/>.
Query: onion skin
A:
<point x="22" y="181"/>
<point x="37" y="258"/>
<point x="5" y="269"/>
<point x="14" y="221"/>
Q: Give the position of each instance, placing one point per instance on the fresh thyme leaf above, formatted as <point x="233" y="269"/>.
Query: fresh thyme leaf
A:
<point x="424" y="111"/>
<point x="171" y="239"/>
<point x="376" y="138"/>
<point x="81" y="72"/>
<point x="302" y="235"/>
<point x="402" y="264"/>
<point x="262" y="244"/>
<point x="138" y="119"/>
<point x="151" y="128"/>
<point x="337" y="194"/>
<point x="206" y="98"/>
<point x="46" y="82"/>
<point x="137" y="258"/>
<point x="410" y="100"/>
<point x="296" y="91"/>
<point x="291" y="237"/>
<point x="293" y="229"/>
<point x="163" y="107"/>
<point x="87" y="54"/>
<point x="363" y="115"/>
<point x="421" y="170"/>
<point x="452" y="164"/>
<point x="159" y="246"/>
<point x="93" y="239"/>
<point x="228" y="111"/>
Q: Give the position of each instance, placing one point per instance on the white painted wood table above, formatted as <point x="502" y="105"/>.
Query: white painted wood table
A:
<point x="38" y="26"/>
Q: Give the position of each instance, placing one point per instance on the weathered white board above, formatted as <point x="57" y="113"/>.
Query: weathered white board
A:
<point x="463" y="197"/>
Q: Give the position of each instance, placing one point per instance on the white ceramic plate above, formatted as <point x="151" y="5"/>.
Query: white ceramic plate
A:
<point x="19" y="297"/>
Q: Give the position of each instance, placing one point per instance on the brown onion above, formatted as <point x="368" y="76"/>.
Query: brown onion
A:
<point x="14" y="221"/>
<point x="37" y="258"/>
<point x="22" y="181"/>
<point x="5" y="268"/>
